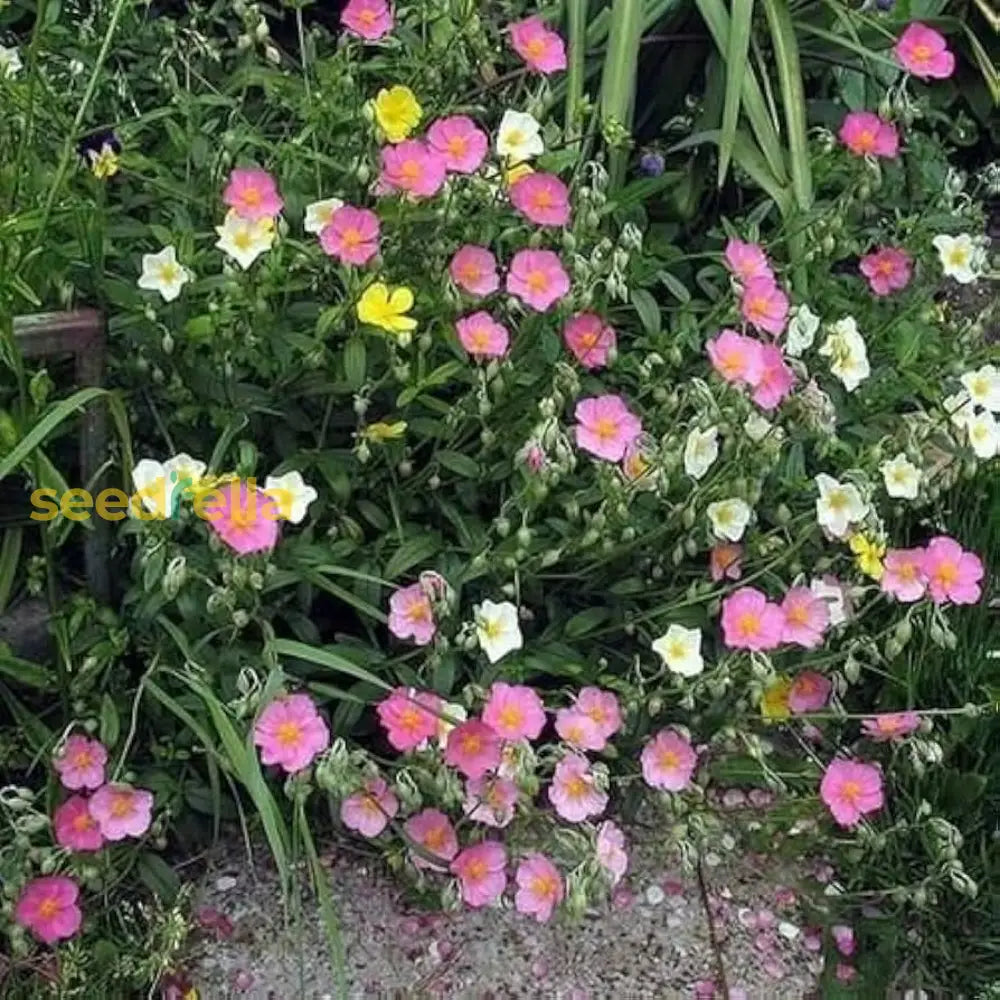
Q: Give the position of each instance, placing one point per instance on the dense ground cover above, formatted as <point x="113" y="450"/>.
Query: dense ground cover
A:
<point x="487" y="496"/>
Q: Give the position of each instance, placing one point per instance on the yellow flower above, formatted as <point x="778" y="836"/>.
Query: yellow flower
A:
<point x="378" y="306"/>
<point x="868" y="555"/>
<point x="383" y="431"/>
<point x="516" y="172"/>
<point x="397" y="112"/>
<point x="105" y="163"/>
<point x="774" y="700"/>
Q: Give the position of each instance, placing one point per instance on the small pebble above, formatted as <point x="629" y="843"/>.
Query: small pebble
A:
<point x="226" y="883"/>
<point x="787" y="930"/>
<point x="655" y="895"/>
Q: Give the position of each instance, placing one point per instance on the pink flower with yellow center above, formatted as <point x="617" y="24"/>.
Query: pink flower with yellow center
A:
<point x="474" y="270"/>
<point x="574" y="791"/>
<point x="75" y="828"/>
<point x="865" y="134"/>
<point x="903" y="575"/>
<point x="48" y="908"/>
<point x="924" y="52"/>
<point x="747" y="261"/>
<point x="542" y="199"/>
<point x="764" y="305"/>
<point x="252" y="194"/>
<point x="809" y="692"/>
<point x="887" y="270"/>
<point x="537" y="278"/>
<point x="541" y="48"/>
<point x="668" y="761"/>
<point x="433" y="832"/>
<point x="602" y="708"/>
<point x="737" y="358"/>
<point x="351" y="235"/>
<point x="368" y="19"/>
<point x="459" y="142"/>
<point x="539" y="887"/>
<point x="412" y="167"/>
<point x="514" y="711"/>
<point x="409" y="717"/>
<point x="851" y="790"/>
<point x="776" y="378"/>
<point x="244" y="517"/>
<point x="473" y="748"/>
<point x="605" y="426"/>
<point x="368" y="812"/>
<point x="411" y="615"/>
<point x="750" y="621"/>
<point x="290" y="733"/>
<point x="481" y="872"/>
<point x="952" y="573"/>
<point x="482" y="336"/>
<point x="806" y="618"/>
<point x="590" y="339"/>
<point x="890" y="726"/>
<point x="121" y="811"/>
<point x="611" y="851"/>
<point x="490" y="800"/>
<point x="579" y="730"/>
<point x="80" y="764"/>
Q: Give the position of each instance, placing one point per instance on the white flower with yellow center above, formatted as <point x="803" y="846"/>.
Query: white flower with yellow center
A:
<point x="845" y="347"/>
<point x="983" y="387"/>
<point x="839" y="505"/>
<point x="984" y="434"/>
<point x="729" y="518"/>
<point x="498" y="629"/>
<point x="292" y="495"/>
<point x="959" y="408"/>
<point x="962" y="257"/>
<point x="680" y="650"/>
<point x="150" y="482"/>
<point x="319" y="214"/>
<point x="700" y="451"/>
<point x="802" y="329"/>
<point x="245" y="239"/>
<point x="757" y="427"/>
<point x="519" y="137"/>
<point x="10" y="63"/>
<point x="161" y="273"/>
<point x="902" y="477"/>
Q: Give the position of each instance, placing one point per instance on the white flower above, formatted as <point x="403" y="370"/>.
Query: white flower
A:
<point x="150" y="481"/>
<point x="757" y="427"/>
<point x="959" y="408"/>
<point x="454" y="712"/>
<point x="680" y="650"/>
<point x="498" y="629"/>
<point x="832" y="594"/>
<point x="839" y="505"/>
<point x="845" y="347"/>
<point x="984" y="434"/>
<point x="962" y="257"/>
<point x="183" y="471"/>
<point x="245" y="239"/>
<point x="700" y="451"/>
<point x="519" y="137"/>
<point x="320" y="213"/>
<point x="902" y="477"/>
<point x="802" y="330"/>
<point x="161" y="273"/>
<point x="10" y="63"/>
<point x="729" y="518"/>
<point x="983" y="387"/>
<point x="292" y="495"/>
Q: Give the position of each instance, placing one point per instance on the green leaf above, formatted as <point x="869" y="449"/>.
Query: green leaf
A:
<point x="355" y="362"/>
<point x="411" y="553"/>
<point x="324" y="658"/>
<point x="10" y="557"/>
<point x="158" y="876"/>
<point x="460" y="464"/>
<point x="584" y="622"/>
<point x="110" y="723"/>
<point x="649" y="312"/>
<point x="737" y="57"/>
<point x="23" y="671"/>
<point x="676" y="287"/>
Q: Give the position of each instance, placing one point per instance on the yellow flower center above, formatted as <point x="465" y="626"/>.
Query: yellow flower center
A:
<point x="242" y="239"/>
<point x="491" y="628"/>
<point x="169" y="273"/>
<point x="289" y="733"/>
<point x="511" y="716"/>
<point x="958" y="256"/>
<point x="48" y="907"/>
<point x="515" y="137"/>
<point x="850" y="792"/>
<point x="457" y="145"/>
<point x="946" y="573"/>
<point x="543" y="199"/>
<point x="798" y="615"/>
<point x="837" y="500"/>
<point x="121" y="805"/>
<point x="749" y="623"/>
<point x="537" y="281"/>
<point x="472" y="743"/>
<point x="480" y="338"/>
<point x="676" y="649"/>
<point x="921" y="53"/>
<point x="476" y="870"/>
<point x="535" y="47"/>
<point x="545" y="886"/>
<point x="435" y="838"/>
<point x="410" y="170"/>
<point x="83" y="822"/>
<point x="669" y="760"/>
<point x="251" y="197"/>
<point x="352" y="238"/>
<point x="605" y="428"/>
<point x="866" y="140"/>
<point x="577" y="787"/>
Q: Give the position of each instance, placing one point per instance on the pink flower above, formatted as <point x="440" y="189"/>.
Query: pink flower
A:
<point x="474" y="269"/>
<point x="514" y="712"/>
<point x="776" y="379"/>
<point x="809" y="692"/>
<point x="579" y="730"/>
<point x="75" y="828"/>
<point x="482" y="336"/>
<point x="747" y="261"/>
<point x="924" y="52"/>
<point x="369" y="811"/>
<point x="351" y="235"/>
<point x="725" y="561"/>
<point x="887" y="270"/>
<point x="602" y="708"/>
<point x="290" y="732"/>
<point x="411" y="615"/>
<point x="574" y="791"/>
<point x="491" y="801"/>
<point x="473" y="748"/>
<point x="81" y="763"/>
<point x="542" y="199"/>
<point x="539" y="887"/>
<point x="433" y="831"/>
<point x="865" y="134"/>
<point x="606" y="427"/>
<point x="843" y="937"/>
<point x="903" y="574"/>
<point x="244" y="517"/>
<point x="537" y="278"/>
<point x="890" y="726"/>
<point x="952" y="573"/>
<point x="806" y="618"/>
<point x="764" y="305"/>
<point x="121" y="811"/>
<point x="252" y="194"/>
<point x="851" y="790"/>
<point x="368" y="19"/>
<point x="481" y="871"/>
<point x="845" y="972"/>
<point x="590" y="339"/>
<point x="460" y="142"/>
<point x="611" y="851"/>
<point x="48" y="908"/>
<point x="668" y="761"/>
<point x="736" y="358"/>
<point x="413" y="167"/>
<point x="750" y="621"/>
<point x="409" y="717"/>
<point x="540" y="47"/>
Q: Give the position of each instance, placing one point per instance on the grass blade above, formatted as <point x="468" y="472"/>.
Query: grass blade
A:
<point x="576" y="33"/>
<point x="737" y="53"/>
<point x="618" y="82"/>
<point x="325" y="658"/>
<point x="10" y="557"/>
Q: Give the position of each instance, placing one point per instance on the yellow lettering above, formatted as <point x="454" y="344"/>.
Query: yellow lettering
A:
<point x="111" y="504"/>
<point x="210" y="498"/>
<point x="74" y="504"/>
<point x="44" y="500"/>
